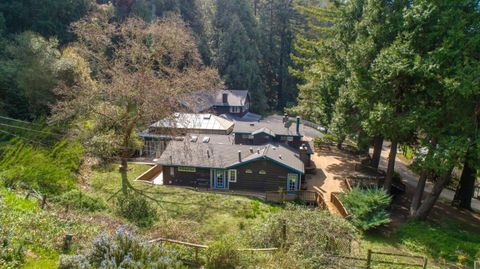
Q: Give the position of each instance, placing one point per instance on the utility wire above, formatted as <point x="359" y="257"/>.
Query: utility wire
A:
<point x="15" y="135"/>
<point x="30" y="129"/>
<point x="17" y="120"/>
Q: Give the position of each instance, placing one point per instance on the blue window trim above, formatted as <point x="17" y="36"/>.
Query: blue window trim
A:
<point x="296" y="181"/>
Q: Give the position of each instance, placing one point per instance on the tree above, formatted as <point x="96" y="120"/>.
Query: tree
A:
<point x="235" y="49"/>
<point x="276" y="35"/>
<point x="50" y="18"/>
<point x="141" y="73"/>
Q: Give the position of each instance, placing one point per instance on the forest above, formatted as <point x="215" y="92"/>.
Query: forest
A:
<point x="79" y="79"/>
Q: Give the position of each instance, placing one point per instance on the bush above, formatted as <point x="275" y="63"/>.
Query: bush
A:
<point x="325" y="139"/>
<point x="309" y="234"/>
<point x="12" y="254"/>
<point x="39" y="168"/>
<point x="137" y="209"/>
<point x="122" y="250"/>
<point x="223" y="254"/>
<point x="80" y="200"/>
<point x="367" y="207"/>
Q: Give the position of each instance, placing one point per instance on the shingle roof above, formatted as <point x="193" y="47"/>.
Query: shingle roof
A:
<point x="277" y="128"/>
<point x="234" y="98"/>
<point x="194" y="121"/>
<point x="185" y="153"/>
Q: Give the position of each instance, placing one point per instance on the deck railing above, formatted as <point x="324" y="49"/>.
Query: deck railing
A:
<point x="335" y="199"/>
<point x="283" y="196"/>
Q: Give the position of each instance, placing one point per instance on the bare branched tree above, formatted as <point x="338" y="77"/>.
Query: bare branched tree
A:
<point x="140" y="72"/>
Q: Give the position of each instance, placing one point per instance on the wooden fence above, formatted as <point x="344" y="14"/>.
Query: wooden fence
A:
<point x="375" y="258"/>
<point x="282" y="196"/>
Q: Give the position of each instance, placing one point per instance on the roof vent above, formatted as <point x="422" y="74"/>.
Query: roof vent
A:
<point x="251" y="150"/>
<point x="194" y="138"/>
<point x="252" y="124"/>
<point x="279" y="156"/>
<point x="206" y="139"/>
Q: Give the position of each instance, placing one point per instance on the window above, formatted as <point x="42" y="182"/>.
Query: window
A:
<point x="290" y="138"/>
<point x="232" y="175"/>
<point x="187" y="169"/>
<point x="283" y="138"/>
<point x="248" y="171"/>
<point x="172" y="171"/>
<point x="262" y="172"/>
<point x="235" y="109"/>
<point x="250" y="137"/>
<point x="245" y="136"/>
<point x="292" y="182"/>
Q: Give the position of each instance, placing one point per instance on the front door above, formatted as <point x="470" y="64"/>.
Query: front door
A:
<point x="219" y="180"/>
<point x="292" y="182"/>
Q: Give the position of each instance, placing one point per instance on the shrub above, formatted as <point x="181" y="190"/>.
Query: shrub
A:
<point x="137" y="209"/>
<point x="223" y="254"/>
<point x="367" y="207"/>
<point x="80" y="200"/>
<point x="39" y="168"/>
<point x="309" y="234"/>
<point x="325" y="139"/>
<point x="122" y="250"/>
<point x="12" y="254"/>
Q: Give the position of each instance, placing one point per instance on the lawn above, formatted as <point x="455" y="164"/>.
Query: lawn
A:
<point x="193" y="216"/>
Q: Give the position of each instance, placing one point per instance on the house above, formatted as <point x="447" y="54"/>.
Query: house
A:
<point x="178" y="126"/>
<point x="262" y="168"/>
<point x="258" y="133"/>
<point x="232" y="103"/>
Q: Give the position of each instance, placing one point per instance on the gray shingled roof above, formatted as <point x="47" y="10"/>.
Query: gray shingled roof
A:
<point x="194" y="121"/>
<point x="277" y="128"/>
<point x="234" y="98"/>
<point x="185" y="153"/>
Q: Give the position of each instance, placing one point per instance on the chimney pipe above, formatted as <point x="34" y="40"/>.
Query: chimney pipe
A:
<point x="251" y="149"/>
<point x="240" y="156"/>
<point x="208" y="153"/>
<point x="298" y="124"/>
<point x="285" y="118"/>
<point x="225" y="98"/>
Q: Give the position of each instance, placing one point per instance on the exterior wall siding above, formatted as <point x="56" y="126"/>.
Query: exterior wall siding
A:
<point x="185" y="178"/>
<point x="274" y="178"/>
<point x="261" y="139"/>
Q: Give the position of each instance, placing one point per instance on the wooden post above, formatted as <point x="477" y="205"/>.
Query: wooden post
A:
<point x="44" y="201"/>
<point x="284" y="233"/>
<point x="196" y="254"/>
<point x="425" y="261"/>
<point x="369" y="259"/>
<point x="67" y="242"/>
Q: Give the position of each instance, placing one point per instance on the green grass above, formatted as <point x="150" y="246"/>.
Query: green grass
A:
<point x="447" y="242"/>
<point x="212" y="214"/>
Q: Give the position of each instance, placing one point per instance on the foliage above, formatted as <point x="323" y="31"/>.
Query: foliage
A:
<point x="367" y="207"/>
<point x="236" y="49"/>
<point x="325" y="139"/>
<point x="122" y="250"/>
<point x="39" y="168"/>
<point x="27" y="228"/>
<point x="137" y="209"/>
<point x="447" y="239"/>
<point x="310" y="234"/>
<point x="223" y="254"/>
<point x="77" y="199"/>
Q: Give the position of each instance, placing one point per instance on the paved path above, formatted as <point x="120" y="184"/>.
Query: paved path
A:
<point x="410" y="178"/>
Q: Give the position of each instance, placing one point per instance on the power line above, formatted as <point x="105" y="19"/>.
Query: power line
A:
<point x="15" y="135"/>
<point x="30" y="129"/>
<point x="17" y="120"/>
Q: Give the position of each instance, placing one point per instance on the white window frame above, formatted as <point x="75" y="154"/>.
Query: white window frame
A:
<point x="248" y="171"/>
<point x="262" y="172"/>
<point x="230" y="175"/>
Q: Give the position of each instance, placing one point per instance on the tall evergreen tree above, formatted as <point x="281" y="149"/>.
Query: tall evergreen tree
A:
<point x="236" y="54"/>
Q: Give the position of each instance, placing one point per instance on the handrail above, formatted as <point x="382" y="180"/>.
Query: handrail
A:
<point x="338" y="204"/>
<point x="188" y="244"/>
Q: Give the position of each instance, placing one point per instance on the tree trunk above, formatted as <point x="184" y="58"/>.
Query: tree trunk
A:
<point x="466" y="187"/>
<point x="391" y="166"/>
<point x="363" y="142"/>
<point x="377" y="151"/>
<point x="418" y="195"/>
<point x="429" y="202"/>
